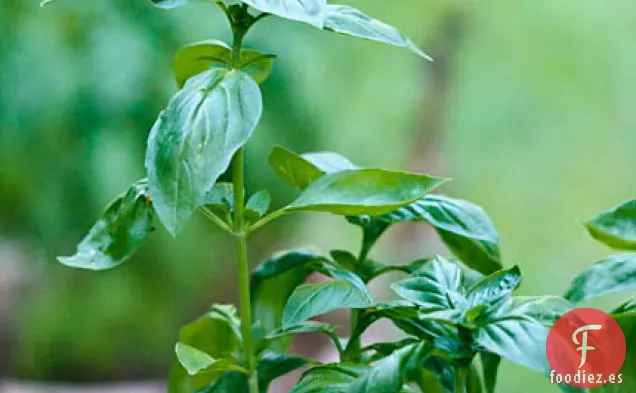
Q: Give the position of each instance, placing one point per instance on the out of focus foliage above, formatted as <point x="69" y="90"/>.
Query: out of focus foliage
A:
<point x="535" y="124"/>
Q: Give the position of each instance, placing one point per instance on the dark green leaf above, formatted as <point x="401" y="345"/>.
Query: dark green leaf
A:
<point x="194" y="139"/>
<point x="273" y="365"/>
<point x="616" y="227"/>
<point x="117" y="234"/>
<point x="308" y="11"/>
<point x="195" y="58"/>
<point x="437" y="286"/>
<point x="196" y="362"/>
<point x="271" y="285"/>
<point x="348" y="20"/>
<point x="232" y="381"/>
<point x="388" y="374"/>
<point x="310" y="300"/>
<point x="614" y="274"/>
<point x="257" y="205"/>
<point x="490" y="369"/>
<point x="345" y="259"/>
<point x="364" y="191"/>
<point x="495" y="287"/>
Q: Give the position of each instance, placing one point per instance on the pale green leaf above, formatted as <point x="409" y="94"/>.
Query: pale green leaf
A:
<point x="616" y="227"/>
<point x="494" y="288"/>
<point x="308" y="11"/>
<point x="196" y="362"/>
<point x="351" y="21"/>
<point x="614" y="274"/>
<point x="194" y="139"/>
<point x="167" y="4"/>
<point x="257" y="205"/>
<point x="117" y="234"/>
<point x="364" y="192"/>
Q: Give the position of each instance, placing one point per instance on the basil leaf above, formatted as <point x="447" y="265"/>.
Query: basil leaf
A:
<point x="495" y="287"/>
<point x="328" y="379"/>
<point x="490" y="369"/>
<point x="197" y="362"/>
<point x="518" y="338"/>
<point x="257" y="205"/>
<point x="545" y="309"/>
<point x="194" y="139"/>
<point x="614" y="274"/>
<point x="306" y="327"/>
<point x="388" y="375"/>
<point x="310" y="300"/>
<point x="117" y="234"/>
<point x="616" y="227"/>
<point x="626" y="318"/>
<point x="167" y="4"/>
<point x="273" y="365"/>
<point x="350" y="21"/>
<point x="302" y="170"/>
<point x="198" y="57"/>
<point x="272" y="283"/>
<point x="308" y="11"/>
<point x="437" y="286"/>
<point x="364" y="191"/>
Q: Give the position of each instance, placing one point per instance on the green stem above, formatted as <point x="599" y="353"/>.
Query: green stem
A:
<point x="461" y="373"/>
<point x="245" y="307"/>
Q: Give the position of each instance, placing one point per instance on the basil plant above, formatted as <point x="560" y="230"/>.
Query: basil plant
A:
<point x="458" y="314"/>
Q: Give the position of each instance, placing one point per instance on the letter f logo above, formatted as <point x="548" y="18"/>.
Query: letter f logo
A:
<point x="584" y="347"/>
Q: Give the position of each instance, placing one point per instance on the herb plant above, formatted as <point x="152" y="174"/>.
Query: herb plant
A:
<point x="458" y="314"/>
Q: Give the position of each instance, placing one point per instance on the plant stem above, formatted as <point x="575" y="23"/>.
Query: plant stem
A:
<point x="245" y="307"/>
<point x="461" y="373"/>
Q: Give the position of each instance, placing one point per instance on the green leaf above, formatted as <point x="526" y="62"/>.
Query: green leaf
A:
<point x="310" y="300"/>
<point x="272" y="283"/>
<point x="308" y="11"/>
<point x="518" y="338"/>
<point x="302" y="170"/>
<point x="616" y="228"/>
<point x="306" y="327"/>
<point x="545" y="309"/>
<point x="221" y="196"/>
<point x="388" y="375"/>
<point x="196" y="362"/>
<point x="332" y="378"/>
<point x="273" y="365"/>
<point x="232" y="381"/>
<point x="257" y="205"/>
<point x="117" y="234"/>
<point x="494" y="288"/>
<point x="463" y="226"/>
<point x="198" y="57"/>
<point x="490" y="369"/>
<point x="364" y="191"/>
<point x="614" y="274"/>
<point x="436" y="287"/>
<point x="194" y="139"/>
<point x="350" y="21"/>
<point x="215" y="334"/>
<point x="625" y="315"/>
<point x="167" y="4"/>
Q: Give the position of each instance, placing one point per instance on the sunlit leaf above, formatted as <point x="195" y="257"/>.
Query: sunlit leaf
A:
<point x="364" y="192"/>
<point x="308" y="11"/>
<point x="194" y="139"/>
<point x="117" y="234"/>
<point x="350" y="21"/>
<point x="614" y="274"/>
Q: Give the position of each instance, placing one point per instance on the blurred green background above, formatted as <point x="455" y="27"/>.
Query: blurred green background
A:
<point x="529" y="107"/>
